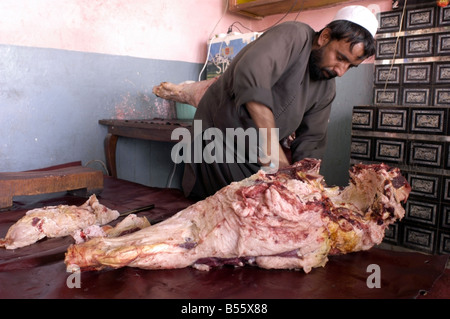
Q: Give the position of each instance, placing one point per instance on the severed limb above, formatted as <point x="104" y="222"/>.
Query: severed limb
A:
<point x="187" y="92"/>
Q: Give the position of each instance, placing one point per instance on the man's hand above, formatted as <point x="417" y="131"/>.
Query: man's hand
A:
<point x="263" y="118"/>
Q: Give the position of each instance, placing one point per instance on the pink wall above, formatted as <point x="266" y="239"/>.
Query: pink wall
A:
<point x="168" y="30"/>
<point x="317" y="19"/>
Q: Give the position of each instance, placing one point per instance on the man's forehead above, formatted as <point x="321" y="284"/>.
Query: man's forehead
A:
<point x="354" y="53"/>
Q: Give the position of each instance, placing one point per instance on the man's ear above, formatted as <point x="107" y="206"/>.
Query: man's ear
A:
<point x="324" y="37"/>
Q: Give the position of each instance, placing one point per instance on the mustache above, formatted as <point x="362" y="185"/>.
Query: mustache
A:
<point x="330" y="73"/>
<point x="315" y="71"/>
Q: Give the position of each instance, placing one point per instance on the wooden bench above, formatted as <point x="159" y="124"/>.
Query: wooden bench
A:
<point x="67" y="177"/>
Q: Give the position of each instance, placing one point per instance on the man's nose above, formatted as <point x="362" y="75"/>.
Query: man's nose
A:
<point x="341" y="68"/>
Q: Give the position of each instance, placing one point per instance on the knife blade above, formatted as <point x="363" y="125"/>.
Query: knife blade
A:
<point x="137" y="210"/>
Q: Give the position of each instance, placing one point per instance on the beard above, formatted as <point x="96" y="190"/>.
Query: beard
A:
<point x="316" y="72"/>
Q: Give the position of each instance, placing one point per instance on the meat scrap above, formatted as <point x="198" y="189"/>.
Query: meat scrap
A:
<point x="286" y="220"/>
<point x="56" y="221"/>
<point x="128" y="225"/>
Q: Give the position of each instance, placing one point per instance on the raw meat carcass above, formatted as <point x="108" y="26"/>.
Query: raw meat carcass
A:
<point x="56" y="221"/>
<point x="130" y="224"/>
<point x="286" y="220"/>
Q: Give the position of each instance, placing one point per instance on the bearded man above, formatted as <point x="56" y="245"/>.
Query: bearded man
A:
<point x="283" y="80"/>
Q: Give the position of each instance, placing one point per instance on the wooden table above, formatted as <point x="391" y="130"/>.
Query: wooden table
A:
<point x="151" y="129"/>
<point x="38" y="271"/>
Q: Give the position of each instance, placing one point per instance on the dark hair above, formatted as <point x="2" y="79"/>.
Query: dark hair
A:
<point x="353" y="33"/>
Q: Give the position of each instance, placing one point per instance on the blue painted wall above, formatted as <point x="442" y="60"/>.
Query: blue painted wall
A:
<point x="51" y="101"/>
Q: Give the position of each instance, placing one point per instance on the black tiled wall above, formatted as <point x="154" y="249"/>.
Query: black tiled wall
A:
<point x="408" y="125"/>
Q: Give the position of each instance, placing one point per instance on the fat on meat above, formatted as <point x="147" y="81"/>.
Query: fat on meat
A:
<point x="130" y="224"/>
<point x="286" y="220"/>
<point x="56" y="221"/>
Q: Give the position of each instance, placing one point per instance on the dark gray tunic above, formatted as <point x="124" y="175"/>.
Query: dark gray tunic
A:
<point x="272" y="70"/>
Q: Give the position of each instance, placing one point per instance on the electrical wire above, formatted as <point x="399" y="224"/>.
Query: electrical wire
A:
<point x="211" y="36"/>
<point x="169" y="181"/>
<point x="411" y="168"/>
<point x="206" y="62"/>
<point x="230" y="28"/>
<point x="283" y="17"/>
<point x="299" y="10"/>
<point x="395" y="49"/>
<point x="101" y="163"/>
<point x="294" y="2"/>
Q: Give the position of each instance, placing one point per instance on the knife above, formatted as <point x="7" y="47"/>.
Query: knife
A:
<point x="137" y="210"/>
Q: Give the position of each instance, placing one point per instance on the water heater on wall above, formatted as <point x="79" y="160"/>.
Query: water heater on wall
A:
<point x="223" y="48"/>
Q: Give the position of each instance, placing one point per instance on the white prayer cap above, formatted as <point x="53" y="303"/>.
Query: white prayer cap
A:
<point x="359" y="15"/>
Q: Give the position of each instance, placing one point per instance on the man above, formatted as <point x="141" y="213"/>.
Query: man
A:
<point x="284" y="80"/>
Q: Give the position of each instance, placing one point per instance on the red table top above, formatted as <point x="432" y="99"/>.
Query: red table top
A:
<point x="38" y="271"/>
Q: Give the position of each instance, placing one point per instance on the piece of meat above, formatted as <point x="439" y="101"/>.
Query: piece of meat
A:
<point x="128" y="225"/>
<point x="56" y="221"/>
<point x="286" y="220"/>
